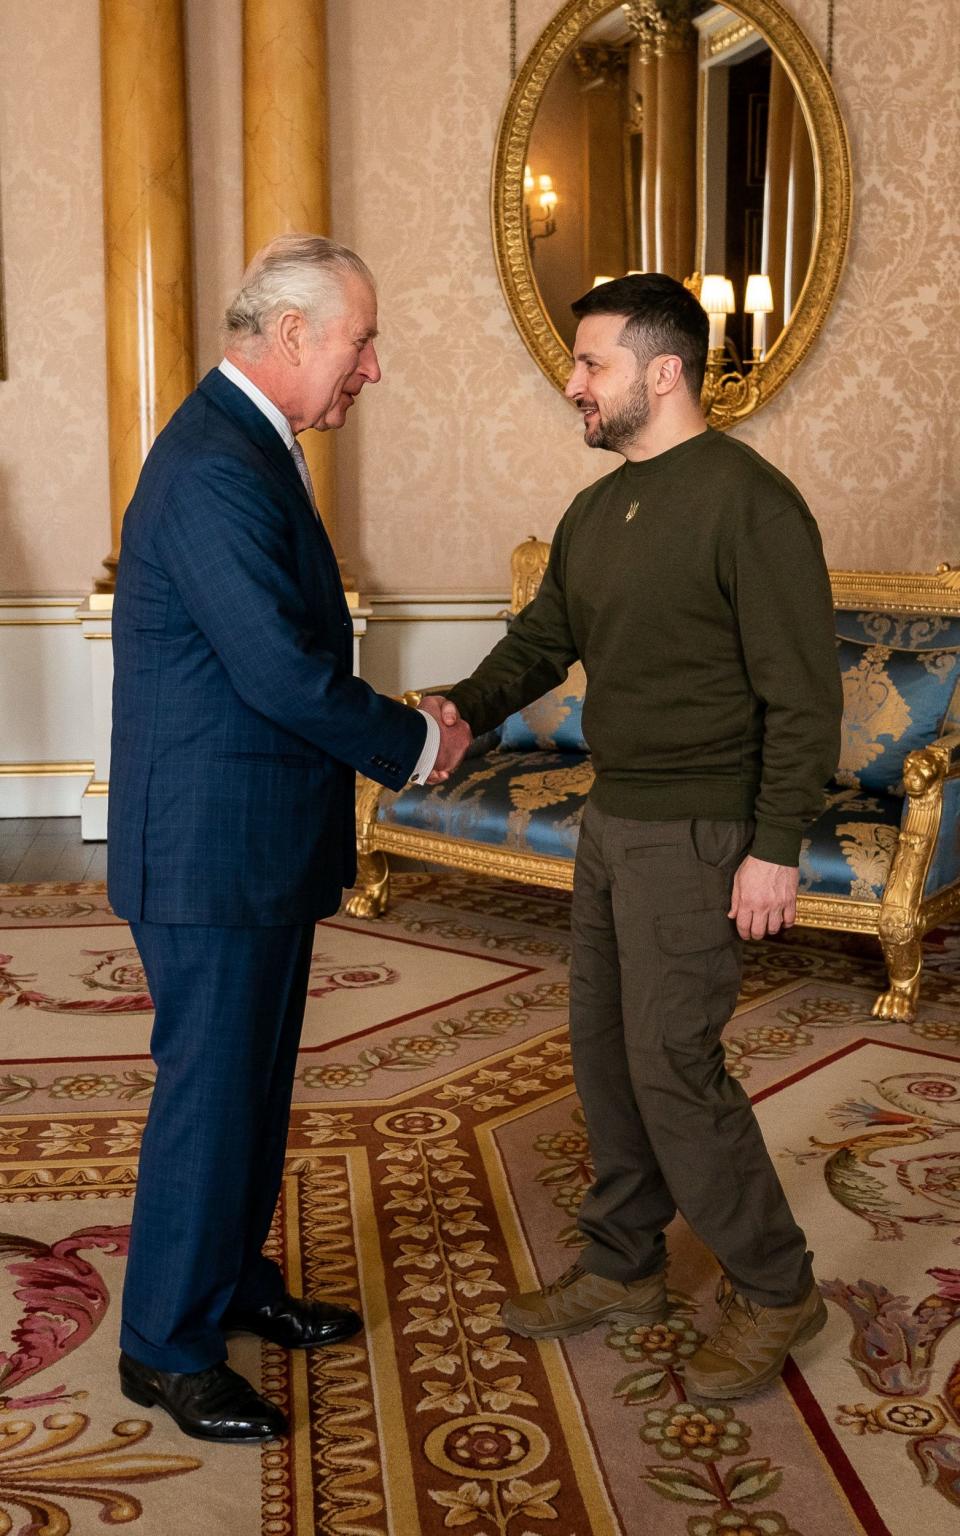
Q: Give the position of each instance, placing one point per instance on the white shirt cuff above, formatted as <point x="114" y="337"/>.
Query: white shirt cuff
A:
<point x="430" y="753"/>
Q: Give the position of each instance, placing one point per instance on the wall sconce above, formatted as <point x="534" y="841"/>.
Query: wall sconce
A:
<point x="758" y="303"/>
<point x="546" y="201"/>
<point x="731" y="389"/>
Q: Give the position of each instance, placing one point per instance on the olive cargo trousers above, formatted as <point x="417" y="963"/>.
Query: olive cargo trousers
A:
<point x="654" y="975"/>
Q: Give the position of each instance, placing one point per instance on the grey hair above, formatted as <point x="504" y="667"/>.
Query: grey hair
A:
<point x="291" y="272"/>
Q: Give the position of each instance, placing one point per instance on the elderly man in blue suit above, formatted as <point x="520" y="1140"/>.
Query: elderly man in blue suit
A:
<point x="237" y="728"/>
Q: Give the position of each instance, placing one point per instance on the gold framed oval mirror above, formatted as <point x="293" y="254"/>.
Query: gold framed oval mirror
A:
<point x="685" y="137"/>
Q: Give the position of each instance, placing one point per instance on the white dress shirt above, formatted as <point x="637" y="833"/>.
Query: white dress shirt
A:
<point x="276" y="418"/>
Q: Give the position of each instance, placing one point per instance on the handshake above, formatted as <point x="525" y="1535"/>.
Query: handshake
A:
<point x="455" y="736"/>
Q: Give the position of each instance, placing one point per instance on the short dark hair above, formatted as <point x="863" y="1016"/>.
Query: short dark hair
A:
<point x="660" y="315"/>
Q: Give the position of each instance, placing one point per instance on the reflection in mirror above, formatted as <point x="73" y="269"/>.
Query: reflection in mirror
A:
<point x="671" y="139"/>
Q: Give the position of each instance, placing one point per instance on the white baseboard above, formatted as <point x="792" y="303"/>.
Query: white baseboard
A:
<point x="44" y="789"/>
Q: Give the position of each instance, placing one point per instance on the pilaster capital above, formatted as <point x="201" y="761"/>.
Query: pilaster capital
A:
<point x="602" y="63"/>
<point x="661" y="26"/>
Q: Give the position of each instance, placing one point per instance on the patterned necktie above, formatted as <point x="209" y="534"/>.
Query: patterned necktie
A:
<point x="299" y="458"/>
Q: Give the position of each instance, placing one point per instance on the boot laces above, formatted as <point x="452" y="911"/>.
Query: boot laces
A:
<point x="562" y="1281"/>
<point x="738" y="1314"/>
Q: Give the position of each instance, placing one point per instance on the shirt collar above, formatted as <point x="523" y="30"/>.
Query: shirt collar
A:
<point x="263" y="402"/>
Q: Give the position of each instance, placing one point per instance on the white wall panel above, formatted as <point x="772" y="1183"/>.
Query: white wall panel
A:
<point x="46" y="730"/>
<point x="422" y="641"/>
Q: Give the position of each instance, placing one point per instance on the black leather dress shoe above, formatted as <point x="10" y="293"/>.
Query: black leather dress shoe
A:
<point x="294" y="1323"/>
<point x="215" y="1404"/>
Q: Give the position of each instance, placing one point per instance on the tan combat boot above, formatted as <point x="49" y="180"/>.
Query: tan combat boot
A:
<point x="751" y="1344"/>
<point x="578" y="1301"/>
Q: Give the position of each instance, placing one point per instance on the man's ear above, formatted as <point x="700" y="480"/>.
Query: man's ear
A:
<point x="667" y="373"/>
<point x="290" y="332"/>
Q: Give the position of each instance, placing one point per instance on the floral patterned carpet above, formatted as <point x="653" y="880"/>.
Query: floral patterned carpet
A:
<point x="436" y="1161"/>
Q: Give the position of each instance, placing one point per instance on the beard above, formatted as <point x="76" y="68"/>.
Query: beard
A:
<point x="629" y="416"/>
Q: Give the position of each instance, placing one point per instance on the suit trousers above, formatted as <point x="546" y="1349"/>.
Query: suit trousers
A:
<point x="654" y="976"/>
<point x="229" y="1013"/>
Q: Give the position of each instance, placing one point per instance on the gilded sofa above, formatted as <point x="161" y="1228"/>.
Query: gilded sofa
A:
<point x="882" y="858"/>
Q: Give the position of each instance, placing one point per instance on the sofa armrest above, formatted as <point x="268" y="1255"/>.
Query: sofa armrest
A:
<point x="938" y="761"/>
<point x="926" y="860"/>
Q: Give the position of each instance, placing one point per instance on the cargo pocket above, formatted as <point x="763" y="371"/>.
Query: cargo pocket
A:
<point x="699" y="957"/>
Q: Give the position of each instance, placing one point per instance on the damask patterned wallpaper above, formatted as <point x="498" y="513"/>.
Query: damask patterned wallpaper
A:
<point x="54" y="522"/>
<point x="464" y="448"/>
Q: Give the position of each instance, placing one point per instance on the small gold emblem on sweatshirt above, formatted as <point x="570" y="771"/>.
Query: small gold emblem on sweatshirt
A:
<point x="632" y="511"/>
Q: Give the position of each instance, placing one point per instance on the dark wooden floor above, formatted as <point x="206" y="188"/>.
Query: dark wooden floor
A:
<point x="48" y="849"/>
<point x="52" y="849"/>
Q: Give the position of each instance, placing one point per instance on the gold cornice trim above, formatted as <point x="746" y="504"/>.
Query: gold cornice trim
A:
<point x="42" y="770"/>
<point x="899" y="591"/>
<point x="97" y="787"/>
<point x="840" y="912"/>
<point x="721" y="41"/>
<point x="35" y="623"/>
<point x="481" y="858"/>
<point x="831" y="154"/>
<point x="12" y="601"/>
<point x="435" y="618"/>
<point x="431" y="600"/>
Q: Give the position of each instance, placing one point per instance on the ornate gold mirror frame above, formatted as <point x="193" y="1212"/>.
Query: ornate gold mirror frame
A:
<point x="732" y="398"/>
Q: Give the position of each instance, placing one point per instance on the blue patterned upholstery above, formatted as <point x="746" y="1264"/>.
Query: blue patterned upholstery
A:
<point x="901" y="681"/>
<point x="528" y="801"/>
<point x="550" y="724"/>
<point x="945" y="865"/>
<point x="849" y="849"/>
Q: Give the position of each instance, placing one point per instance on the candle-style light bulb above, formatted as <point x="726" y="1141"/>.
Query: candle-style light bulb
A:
<point x="528" y="181"/>
<point x="759" y="303"/>
<point x="716" y="297"/>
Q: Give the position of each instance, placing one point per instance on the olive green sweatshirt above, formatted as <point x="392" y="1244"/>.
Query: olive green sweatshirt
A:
<point x="692" y="586"/>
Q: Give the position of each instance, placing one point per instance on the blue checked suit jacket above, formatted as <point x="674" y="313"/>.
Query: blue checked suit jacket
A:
<point x="237" y="722"/>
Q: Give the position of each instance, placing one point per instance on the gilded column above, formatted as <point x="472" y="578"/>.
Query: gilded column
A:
<point x="146" y="191"/>
<point x="604" y="70"/>
<point x="676" y="194"/>
<point x="648" y="182"/>
<point x="286" y="179"/>
<point x="801" y="212"/>
<point x="776" y="192"/>
<point x="644" y="60"/>
<point x="667" y="43"/>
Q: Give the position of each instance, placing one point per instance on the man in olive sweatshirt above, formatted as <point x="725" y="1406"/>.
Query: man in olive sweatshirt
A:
<point x="691" y="584"/>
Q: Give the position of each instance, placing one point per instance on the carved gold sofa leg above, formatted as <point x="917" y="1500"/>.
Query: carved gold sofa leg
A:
<point x="901" y="927"/>
<point x="903" y="953"/>
<point x="372" y="896"/>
